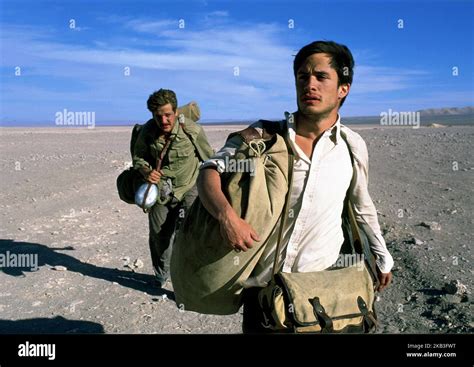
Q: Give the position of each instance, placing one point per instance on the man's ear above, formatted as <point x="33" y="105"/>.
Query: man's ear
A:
<point x="343" y="90"/>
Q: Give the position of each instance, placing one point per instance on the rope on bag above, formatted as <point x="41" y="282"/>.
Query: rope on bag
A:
<point x="258" y="147"/>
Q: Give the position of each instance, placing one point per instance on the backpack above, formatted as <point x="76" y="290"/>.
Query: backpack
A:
<point x="207" y="276"/>
<point x="130" y="179"/>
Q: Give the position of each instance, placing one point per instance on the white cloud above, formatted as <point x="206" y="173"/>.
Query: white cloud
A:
<point x="151" y="27"/>
<point x="199" y="64"/>
<point x="255" y="52"/>
<point x="375" y="79"/>
<point x="219" y="13"/>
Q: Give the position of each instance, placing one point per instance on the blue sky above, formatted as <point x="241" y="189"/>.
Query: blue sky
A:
<point x="82" y="66"/>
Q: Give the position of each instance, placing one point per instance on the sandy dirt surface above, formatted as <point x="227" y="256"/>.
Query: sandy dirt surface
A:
<point x="59" y="202"/>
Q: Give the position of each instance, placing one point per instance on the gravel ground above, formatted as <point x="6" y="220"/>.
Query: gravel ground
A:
<point x="59" y="202"/>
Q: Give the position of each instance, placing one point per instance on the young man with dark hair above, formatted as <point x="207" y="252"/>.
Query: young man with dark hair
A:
<point x="188" y="146"/>
<point x="323" y="173"/>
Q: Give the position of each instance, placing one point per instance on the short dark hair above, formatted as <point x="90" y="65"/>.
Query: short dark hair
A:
<point x="341" y="59"/>
<point x="160" y="98"/>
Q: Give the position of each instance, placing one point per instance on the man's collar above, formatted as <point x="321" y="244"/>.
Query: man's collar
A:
<point x="334" y="131"/>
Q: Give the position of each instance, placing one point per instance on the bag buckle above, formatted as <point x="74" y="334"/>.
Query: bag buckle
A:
<point x="370" y="320"/>
<point x="324" y="319"/>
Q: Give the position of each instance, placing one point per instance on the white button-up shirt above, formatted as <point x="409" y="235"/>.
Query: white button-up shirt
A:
<point x="313" y="235"/>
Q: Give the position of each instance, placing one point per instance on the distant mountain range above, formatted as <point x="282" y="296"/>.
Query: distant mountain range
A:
<point x="447" y="111"/>
<point x="445" y="116"/>
<point x="448" y="116"/>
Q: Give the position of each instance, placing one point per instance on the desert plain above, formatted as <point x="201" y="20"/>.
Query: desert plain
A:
<point x="93" y="274"/>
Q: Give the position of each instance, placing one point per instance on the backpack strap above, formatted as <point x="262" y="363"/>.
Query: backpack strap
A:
<point x="284" y="213"/>
<point x="359" y="244"/>
<point x="193" y="141"/>
<point x="159" y="162"/>
<point x="359" y="239"/>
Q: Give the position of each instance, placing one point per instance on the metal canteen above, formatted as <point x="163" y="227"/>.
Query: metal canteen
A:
<point x="150" y="198"/>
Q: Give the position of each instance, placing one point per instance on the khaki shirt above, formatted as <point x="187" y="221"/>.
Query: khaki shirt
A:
<point x="181" y="163"/>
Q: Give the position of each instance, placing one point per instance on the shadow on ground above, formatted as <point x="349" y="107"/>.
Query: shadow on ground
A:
<point x="54" y="257"/>
<point x="56" y="325"/>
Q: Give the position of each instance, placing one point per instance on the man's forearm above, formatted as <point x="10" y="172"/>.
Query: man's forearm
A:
<point x="211" y="195"/>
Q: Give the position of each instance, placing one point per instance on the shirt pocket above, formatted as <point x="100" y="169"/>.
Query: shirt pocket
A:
<point x="178" y="156"/>
<point x="185" y="152"/>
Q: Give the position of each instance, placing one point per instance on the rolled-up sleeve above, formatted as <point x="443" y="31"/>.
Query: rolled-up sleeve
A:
<point x="217" y="161"/>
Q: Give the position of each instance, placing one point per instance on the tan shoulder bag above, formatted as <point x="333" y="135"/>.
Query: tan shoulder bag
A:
<point x="339" y="300"/>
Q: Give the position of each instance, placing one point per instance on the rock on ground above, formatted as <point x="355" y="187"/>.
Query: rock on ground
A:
<point x="59" y="202"/>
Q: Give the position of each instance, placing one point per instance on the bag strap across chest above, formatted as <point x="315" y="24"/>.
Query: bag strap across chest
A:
<point x="359" y="245"/>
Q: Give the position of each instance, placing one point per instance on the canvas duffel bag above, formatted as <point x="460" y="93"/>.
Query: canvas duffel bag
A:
<point x="207" y="275"/>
